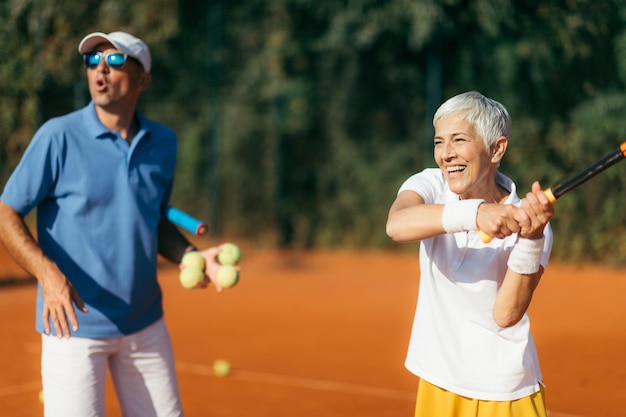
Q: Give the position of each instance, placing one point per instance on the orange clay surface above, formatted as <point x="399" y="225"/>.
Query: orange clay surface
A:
<point x="324" y="334"/>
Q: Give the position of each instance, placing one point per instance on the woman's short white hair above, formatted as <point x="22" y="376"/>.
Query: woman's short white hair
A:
<point x="489" y="117"/>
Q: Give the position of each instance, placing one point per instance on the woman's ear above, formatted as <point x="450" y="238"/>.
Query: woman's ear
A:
<point x="498" y="149"/>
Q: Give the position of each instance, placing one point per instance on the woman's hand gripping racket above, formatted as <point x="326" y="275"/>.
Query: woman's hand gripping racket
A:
<point x="580" y="178"/>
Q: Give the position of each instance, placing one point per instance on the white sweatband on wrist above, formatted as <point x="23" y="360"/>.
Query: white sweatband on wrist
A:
<point x="525" y="257"/>
<point x="460" y="216"/>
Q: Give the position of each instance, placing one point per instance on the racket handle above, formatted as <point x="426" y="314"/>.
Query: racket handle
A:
<point x="486" y="238"/>
<point x="548" y="192"/>
<point x="186" y="221"/>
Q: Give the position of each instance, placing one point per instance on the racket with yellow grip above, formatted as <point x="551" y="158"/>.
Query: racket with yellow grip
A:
<point x="555" y="192"/>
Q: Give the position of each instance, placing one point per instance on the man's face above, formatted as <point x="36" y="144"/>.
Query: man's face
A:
<point x="112" y="86"/>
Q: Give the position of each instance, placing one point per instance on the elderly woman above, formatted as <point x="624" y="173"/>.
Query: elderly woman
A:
<point x="471" y="344"/>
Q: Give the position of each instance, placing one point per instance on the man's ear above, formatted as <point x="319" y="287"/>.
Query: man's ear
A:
<point x="498" y="149"/>
<point x="144" y="80"/>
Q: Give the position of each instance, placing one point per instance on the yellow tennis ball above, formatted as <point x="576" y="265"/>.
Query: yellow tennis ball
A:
<point x="221" y="368"/>
<point x="230" y="254"/>
<point x="41" y="396"/>
<point x="227" y="276"/>
<point x="190" y="276"/>
<point x="194" y="259"/>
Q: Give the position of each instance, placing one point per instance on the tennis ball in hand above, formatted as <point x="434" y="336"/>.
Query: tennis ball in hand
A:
<point x="230" y="254"/>
<point x="227" y="276"/>
<point x="221" y="367"/>
<point x="190" y="276"/>
<point x="194" y="259"/>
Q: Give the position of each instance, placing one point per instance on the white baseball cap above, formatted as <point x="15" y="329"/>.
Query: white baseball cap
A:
<point x="123" y="41"/>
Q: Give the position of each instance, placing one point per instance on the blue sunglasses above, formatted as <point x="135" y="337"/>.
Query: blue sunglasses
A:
<point x="112" y="59"/>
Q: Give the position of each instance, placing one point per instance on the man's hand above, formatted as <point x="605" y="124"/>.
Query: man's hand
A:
<point x="59" y="299"/>
<point x="59" y="296"/>
<point x="211" y="267"/>
<point x="210" y="271"/>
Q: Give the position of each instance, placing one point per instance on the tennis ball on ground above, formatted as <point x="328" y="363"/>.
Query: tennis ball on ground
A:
<point x="190" y="276"/>
<point x="41" y="396"/>
<point x="227" y="276"/>
<point x="221" y="367"/>
<point x="230" y="254"/>
<point x="194" y="259"/>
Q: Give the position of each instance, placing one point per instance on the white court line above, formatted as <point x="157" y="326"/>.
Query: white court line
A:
<point x="20" y="389"/>
<point x="300" y="382"/>
<point x="266" y="378"/>
<point x="314" y="384"/>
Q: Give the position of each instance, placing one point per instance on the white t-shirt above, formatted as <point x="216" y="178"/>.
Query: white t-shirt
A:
<point x="455" y="343"/>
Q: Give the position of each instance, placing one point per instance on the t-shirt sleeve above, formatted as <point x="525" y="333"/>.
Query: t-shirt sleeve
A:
<point x="34" y="177"/>
<point x="547" y="246"/>
<point x="427" y="183"/>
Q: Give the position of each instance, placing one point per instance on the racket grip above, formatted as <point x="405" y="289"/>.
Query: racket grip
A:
<point x="186" y="221"/>
<point x="548" y="192"/>
<point x="486" y="238"/>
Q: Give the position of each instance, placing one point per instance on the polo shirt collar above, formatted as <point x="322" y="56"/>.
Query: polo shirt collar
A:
<point x="509" y="185"/>
<point x="99" y="130"/>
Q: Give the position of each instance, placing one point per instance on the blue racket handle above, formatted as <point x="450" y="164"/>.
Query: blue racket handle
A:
<point x="186" y="221"/>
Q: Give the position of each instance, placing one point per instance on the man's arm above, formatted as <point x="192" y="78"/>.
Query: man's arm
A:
<point x="173" y="245"/>
<point x="58" y="293"/>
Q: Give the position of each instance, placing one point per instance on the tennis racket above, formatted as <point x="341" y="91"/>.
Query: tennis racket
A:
<point x="186" y="221"/>
<point x="573" y="182"/>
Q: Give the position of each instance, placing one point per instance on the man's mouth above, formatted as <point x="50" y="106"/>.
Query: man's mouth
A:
<point x="101" y="84"/>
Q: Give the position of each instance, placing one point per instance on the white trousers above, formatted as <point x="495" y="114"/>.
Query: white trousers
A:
<point x="141" y="365"/>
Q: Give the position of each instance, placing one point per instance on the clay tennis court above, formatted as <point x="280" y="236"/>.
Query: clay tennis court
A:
<point x="324" y="334"/>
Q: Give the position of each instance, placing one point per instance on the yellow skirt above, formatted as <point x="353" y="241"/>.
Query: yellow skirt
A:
<point x="433" y="401"/>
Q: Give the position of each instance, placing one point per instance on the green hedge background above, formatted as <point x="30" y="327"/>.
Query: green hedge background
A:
<point x="299" y="119"/>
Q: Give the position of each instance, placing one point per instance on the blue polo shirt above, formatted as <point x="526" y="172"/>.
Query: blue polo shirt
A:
<point x="98" y="203"/>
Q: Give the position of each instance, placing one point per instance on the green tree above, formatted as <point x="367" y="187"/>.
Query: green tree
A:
<point x="298" y="119"/>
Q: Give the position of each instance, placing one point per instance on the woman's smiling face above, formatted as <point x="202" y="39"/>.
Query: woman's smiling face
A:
<point x="463" y="157"/>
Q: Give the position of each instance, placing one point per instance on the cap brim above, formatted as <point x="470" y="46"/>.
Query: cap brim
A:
<point x="92" y="40"/>
<point x="122" y="41"/>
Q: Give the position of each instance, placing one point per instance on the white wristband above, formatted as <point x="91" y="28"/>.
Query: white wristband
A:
<point x="525" y="257"/>
<point x="460" y="216"/>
